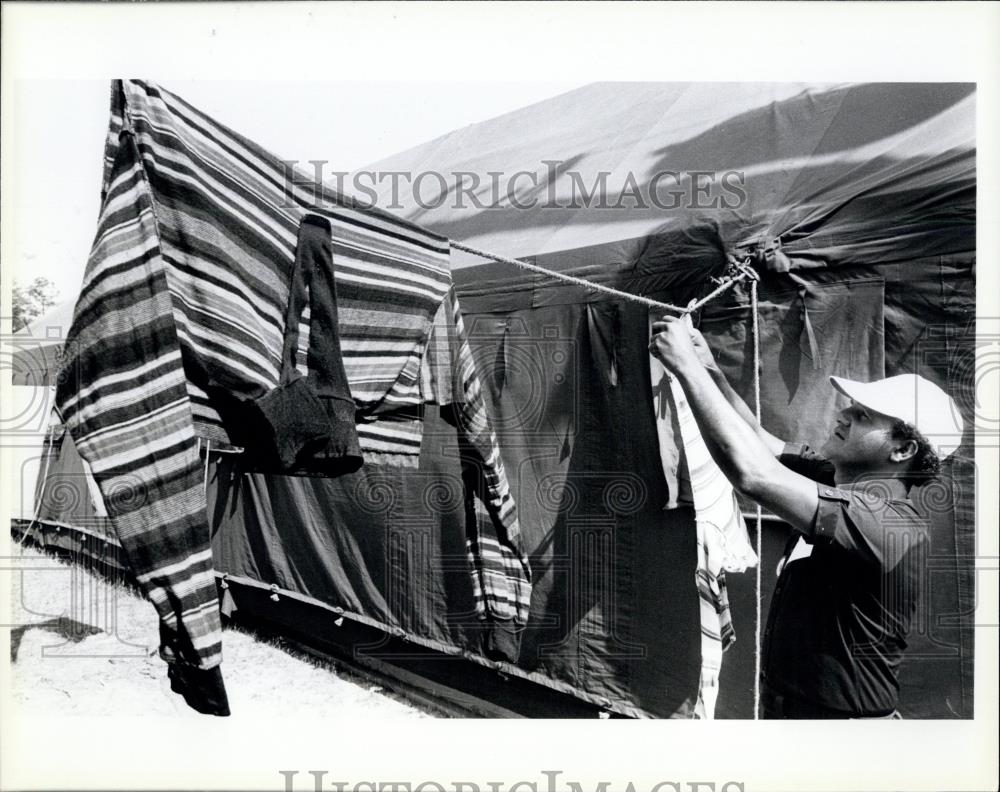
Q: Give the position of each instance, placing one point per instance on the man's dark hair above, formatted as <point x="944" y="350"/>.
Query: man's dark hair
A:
<point x="925" y="464"/>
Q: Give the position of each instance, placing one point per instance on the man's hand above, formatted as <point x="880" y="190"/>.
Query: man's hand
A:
<point x="672" y="343"/>
<point x="703" y="351"/>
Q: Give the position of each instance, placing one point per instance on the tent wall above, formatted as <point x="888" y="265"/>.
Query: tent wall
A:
<point x="26" y="427"/>
<point x="386" y="543"/>
<point x="57" y="488"/>
<point x="59" y="507"/>
<point x="387" y="547"/>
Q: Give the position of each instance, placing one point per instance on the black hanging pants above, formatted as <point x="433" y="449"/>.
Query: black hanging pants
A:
<point x="307" y="424"/>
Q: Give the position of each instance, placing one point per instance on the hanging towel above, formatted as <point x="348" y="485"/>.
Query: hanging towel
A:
<point x="723" y="543"/>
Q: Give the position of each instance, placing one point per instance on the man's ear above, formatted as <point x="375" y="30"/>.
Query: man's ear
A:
<point x="907" y="449"/>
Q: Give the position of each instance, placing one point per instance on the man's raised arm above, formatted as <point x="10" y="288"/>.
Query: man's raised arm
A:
<point x="744" y="456"/>
<point x="704" y="353"/>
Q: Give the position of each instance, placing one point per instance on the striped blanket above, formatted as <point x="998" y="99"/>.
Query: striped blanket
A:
<point x="184" y="297"/>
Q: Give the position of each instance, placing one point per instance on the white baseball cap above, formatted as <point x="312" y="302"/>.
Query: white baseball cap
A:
<point x="915" y="400"/>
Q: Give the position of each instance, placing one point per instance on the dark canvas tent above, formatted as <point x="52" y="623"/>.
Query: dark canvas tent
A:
<point x="857" y="206"/>
<point x="870" y="190"/>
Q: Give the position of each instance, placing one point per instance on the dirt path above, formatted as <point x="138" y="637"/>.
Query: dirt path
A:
<point x="81" y="646"/>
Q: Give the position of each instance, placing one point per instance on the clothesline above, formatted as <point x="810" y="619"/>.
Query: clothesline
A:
<point x="744" y="273"/>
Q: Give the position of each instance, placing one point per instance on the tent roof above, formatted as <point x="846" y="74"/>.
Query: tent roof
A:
<point x="803" y="151"/>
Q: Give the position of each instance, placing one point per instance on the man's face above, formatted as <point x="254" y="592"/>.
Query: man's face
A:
<point x="860" y="438"/>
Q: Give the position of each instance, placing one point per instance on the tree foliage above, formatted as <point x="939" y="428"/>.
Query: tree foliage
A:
<point x="31" y="301"/>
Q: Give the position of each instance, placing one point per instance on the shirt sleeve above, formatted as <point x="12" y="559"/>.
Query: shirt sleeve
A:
<point x="804" y="461"/>
<point x="862" y="522"/>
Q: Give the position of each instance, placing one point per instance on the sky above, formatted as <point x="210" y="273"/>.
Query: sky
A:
<point x="58" y="143"/>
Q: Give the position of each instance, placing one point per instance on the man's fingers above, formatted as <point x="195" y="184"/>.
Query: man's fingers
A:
<point x="671" y="313"/>
<point x="663" y="325"/>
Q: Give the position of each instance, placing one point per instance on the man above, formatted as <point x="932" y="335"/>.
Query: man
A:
<point x="848" y="584"/>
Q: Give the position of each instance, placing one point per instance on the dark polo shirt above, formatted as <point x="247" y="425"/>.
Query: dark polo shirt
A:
<point x="838" y="619"/>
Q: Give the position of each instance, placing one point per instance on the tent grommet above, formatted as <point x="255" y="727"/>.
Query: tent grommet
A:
<point x="274" y="593"/>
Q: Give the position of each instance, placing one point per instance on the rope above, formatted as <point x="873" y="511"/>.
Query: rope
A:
<point x="760" y="543"/>
<point x="744" y="272"/>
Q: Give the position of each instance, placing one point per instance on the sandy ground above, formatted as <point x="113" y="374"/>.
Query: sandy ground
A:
<point x="82" y="646"/>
